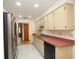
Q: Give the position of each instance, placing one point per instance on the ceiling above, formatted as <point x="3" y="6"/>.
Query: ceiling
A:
<point x="27" y="7"/>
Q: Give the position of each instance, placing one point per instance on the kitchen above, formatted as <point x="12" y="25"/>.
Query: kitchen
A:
<point x="46" y="26"/>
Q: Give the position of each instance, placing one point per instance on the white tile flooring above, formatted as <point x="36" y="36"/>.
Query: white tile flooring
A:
<point x="28" y="51"/>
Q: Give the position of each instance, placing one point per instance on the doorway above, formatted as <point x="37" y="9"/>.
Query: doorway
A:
<point x="23" y="30"/>
<point x="26" y="32"/>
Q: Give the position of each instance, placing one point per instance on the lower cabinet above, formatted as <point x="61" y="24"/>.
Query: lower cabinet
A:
<point x="39" y="45"/>
<point x="52" y="52"/>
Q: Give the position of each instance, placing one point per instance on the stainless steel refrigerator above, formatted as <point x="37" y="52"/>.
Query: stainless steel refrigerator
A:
<point x="10" y="41"/>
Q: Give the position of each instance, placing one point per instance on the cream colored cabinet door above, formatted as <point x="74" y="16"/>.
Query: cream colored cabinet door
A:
<point x="69" y="10"/>
<point x="60" y="18"/>
<point x="50" y="21"/>
<point x="41" y="22"/>
<point x="36" y="25"/>
<point x="64" y="18"/>
<point x="45" y="22"/>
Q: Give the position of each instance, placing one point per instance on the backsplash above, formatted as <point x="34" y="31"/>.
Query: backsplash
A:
<point x="61" y="33"/>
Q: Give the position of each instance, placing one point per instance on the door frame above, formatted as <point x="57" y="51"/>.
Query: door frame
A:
<point x="23" y="31"/>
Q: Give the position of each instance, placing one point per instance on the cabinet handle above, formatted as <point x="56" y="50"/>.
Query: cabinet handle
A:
<point x="65" y="26"/>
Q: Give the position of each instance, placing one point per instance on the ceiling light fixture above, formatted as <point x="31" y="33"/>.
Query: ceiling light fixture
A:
<point x="29" y="16"/>
<point x="36" y="5"/>
<point x="18" y="3"/>
<point x="20" y="16"/>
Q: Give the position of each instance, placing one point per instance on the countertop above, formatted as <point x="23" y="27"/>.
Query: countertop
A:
<point x="55" y="41"/>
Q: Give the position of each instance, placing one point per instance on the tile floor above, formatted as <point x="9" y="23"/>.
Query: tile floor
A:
<point x="28" y="51"/>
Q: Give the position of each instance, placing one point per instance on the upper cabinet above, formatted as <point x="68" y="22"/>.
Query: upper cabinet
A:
<point x="45" y="23"/>
<point x="36" y="25"/>
<point x="39" y="24"/>
<point x="42" y="22"/>
<point x="49" y="22"/>
<point x="51" y="25"/>
<point x="64" y="17"/>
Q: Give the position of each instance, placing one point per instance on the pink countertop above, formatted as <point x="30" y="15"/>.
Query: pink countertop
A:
<point x="55" y="41"/>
